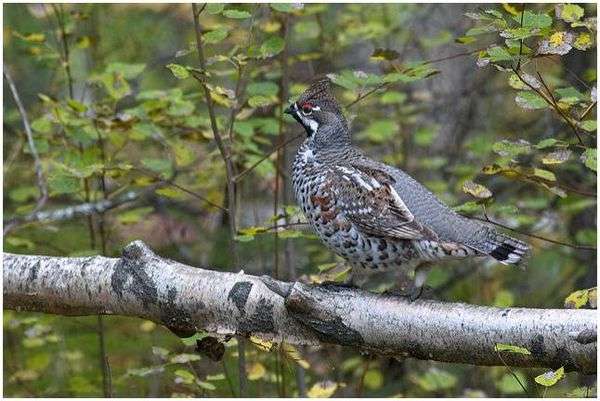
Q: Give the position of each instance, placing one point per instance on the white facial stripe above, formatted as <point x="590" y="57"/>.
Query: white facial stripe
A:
<point x="316" y="108"/>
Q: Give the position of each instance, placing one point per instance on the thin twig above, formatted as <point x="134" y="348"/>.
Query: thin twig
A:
<point x="585" y="113"/>
<point x="385" y="84"/>
<point x="226" y="154"/>
<point x="512" y="372"/>
<point x="181" y="188"/>
<point x="521" y="41"/>
<point x="66" y="59"/>
<point x="238" y="177"/>
<point x="41" y="182"/>
<point x="550" y="101"/>
<point x="558" y="110"/>
<point x="574" y="246"/>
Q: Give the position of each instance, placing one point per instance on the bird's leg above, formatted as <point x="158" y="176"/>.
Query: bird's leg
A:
<point x="412" y="288"/>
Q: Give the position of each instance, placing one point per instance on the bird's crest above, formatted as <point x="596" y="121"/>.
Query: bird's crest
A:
<point x="320" y="92"/>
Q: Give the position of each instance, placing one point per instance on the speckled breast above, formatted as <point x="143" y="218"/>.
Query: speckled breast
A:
<point x="313" y="188"/>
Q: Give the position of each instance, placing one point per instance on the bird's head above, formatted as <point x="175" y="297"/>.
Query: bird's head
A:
<point x="319" y="113"/>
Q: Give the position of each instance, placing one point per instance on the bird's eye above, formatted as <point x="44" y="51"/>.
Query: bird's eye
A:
<point x="307" y="108"/>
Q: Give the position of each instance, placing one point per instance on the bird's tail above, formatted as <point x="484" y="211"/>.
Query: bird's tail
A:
<point x="507" y="250"/>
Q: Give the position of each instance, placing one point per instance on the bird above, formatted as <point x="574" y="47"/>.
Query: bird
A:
<point x="375" y="216"/>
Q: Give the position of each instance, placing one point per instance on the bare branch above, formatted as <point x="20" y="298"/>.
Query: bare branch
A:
<point x="41" y="182"/>
<point x="188" y="299"/>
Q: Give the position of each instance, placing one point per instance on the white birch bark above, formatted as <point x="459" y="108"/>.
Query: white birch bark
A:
<point x="188" y="299"/>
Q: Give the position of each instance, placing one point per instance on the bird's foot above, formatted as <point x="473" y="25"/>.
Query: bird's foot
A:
<point x="340" y="284"/>
<point x="412" y="293"/>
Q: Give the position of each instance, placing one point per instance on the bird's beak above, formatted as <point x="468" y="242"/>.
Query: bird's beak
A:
<point x="289" y="110"/>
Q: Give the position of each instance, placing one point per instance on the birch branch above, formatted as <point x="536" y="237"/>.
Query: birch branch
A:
<point x="41" y="182"/>
<point x="188" y="299"/>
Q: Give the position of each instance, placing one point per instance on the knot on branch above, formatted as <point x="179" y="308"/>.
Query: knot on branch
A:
<point x="137" y="250"/>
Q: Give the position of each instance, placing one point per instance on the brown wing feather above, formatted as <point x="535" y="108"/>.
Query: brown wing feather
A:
<point x="368" y="199"/>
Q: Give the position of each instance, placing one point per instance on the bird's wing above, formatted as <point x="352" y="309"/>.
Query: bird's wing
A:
<point x="367" y="197"/>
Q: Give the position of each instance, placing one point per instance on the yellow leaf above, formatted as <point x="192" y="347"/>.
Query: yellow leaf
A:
<point x="293" y="354"/>
<point x="324" y="389"/>
<point x="557" y="39"/>
<point x="477" y="190"/>
<point x="509" y="8"/>
<point x="583" y="41"/>
<point x="147" y="326"/>
<point x="580" y="298"/>
<point x="263" y="345"/>
<point x="256" y="371"/>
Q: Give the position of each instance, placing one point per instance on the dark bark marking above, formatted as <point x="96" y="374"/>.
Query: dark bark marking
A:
<point x="332" y="331"/>
<point x="33" y="272"/>
<point x="261" y="320"/>
<point x="563" y="358"/>
<point x="586" y="337"/>
<point x="326" y="326"/>
<point x="211" y="347"/>
<point x="174" y="317"/>
<point x="538" y="349"/>
<point x="239" y="295"/>
<point x="141" y="286"/>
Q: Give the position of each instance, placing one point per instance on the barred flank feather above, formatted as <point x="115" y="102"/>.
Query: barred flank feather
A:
<point x="508" y="250"/>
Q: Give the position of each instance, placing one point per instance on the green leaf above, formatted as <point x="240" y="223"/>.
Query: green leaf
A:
<point x="435" y="380"/>
<point x="127" y="71"/>
<point x="134" y="215"/>
<point x="511" y="348"/>
<point x="184" y="376"/>
<point x="380" y="131"/>
<point x="424" y="136"/>
<point x="467" y="207"/>
<point x="530" y="100"/>
<point x="215" y="8"/>
<point x="272" y="46"/>
<point x="373" y="379"/>
<point x="265" y="88"/>
<point x="77" y="106"/>
<point x="589" y="158"/>
<point x="157" y="165"/>
<point x="205" y="385"/>
<point x="510" y="148"/>
<point x="509" y="385"/>
<point x="544" y="174"/>
<point x="236" y="14"/>
<point x="550" y="378"/>
<point x="215" y="36"/>
<point x="570" y="95"/>
<point x="179" y="71"/>
<point x="43" y="125"/>
<point x="588" y="125"/>
<point x="392" y="97"/>
<point x="533" y="20"/>
<point x="497" y="53"/>
<point x="260" y="101"/>
<point x="568" y="12"/>
<point x="60" y="182"/>
<point x="282" y="7"/>
<point x="546" y="143"/>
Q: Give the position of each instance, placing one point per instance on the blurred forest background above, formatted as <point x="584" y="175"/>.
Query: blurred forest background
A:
<point x="492" y="108"/>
